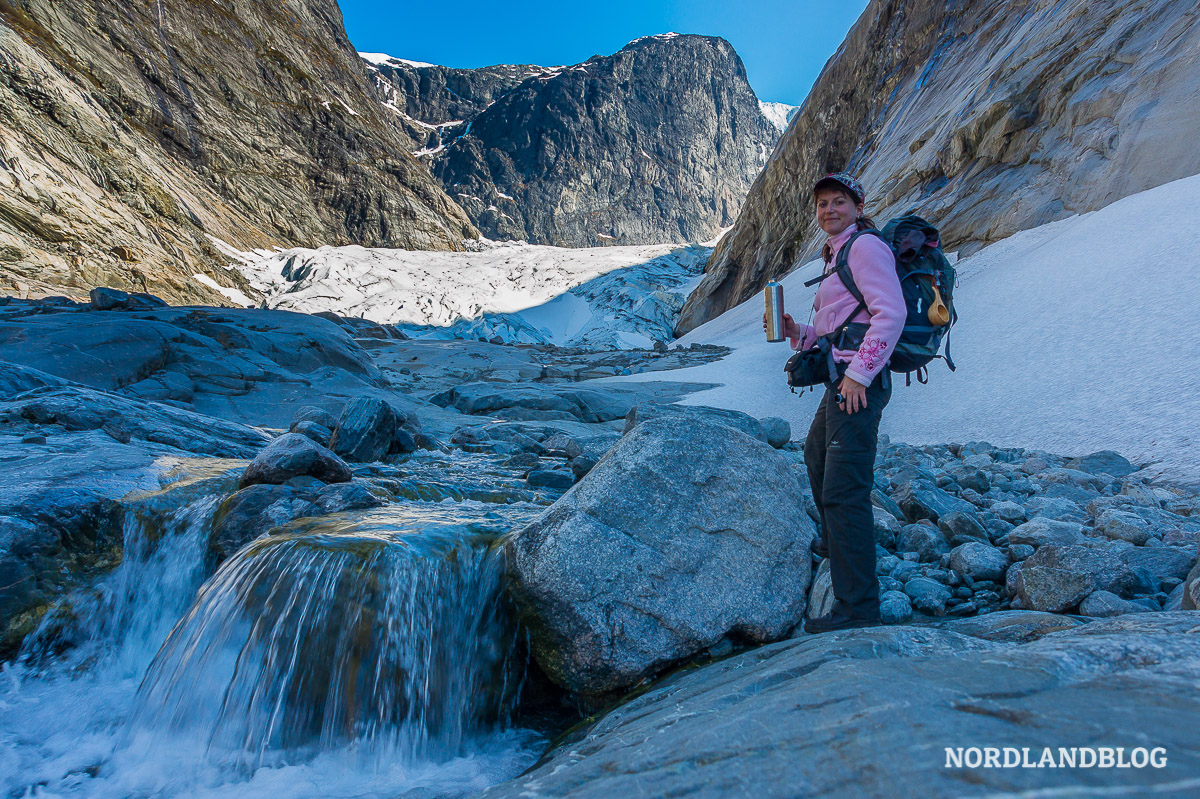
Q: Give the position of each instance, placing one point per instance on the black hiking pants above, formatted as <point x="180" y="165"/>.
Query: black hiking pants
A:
<point x="840" y="455"/>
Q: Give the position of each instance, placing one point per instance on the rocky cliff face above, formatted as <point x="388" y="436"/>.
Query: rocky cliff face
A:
<point x="989" y="118"/>
<point x="657" y="143"/>
<point x="132" y="132"/>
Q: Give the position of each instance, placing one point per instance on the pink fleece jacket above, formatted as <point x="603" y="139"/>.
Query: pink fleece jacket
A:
<point x="874" y="269"/>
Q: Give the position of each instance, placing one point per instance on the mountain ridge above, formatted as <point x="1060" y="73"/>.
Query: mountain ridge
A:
<point x="656" y="143"/>
<point x="134" y="134"/>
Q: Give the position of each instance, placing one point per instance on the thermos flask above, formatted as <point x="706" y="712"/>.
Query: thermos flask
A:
<point x="773" y="294"/>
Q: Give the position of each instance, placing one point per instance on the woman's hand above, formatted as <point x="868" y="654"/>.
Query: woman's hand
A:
<point x="790" y="328"/>
<point x="854" y="394"/>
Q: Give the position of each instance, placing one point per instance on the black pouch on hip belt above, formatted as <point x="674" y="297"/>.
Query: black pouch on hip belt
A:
<point x="815" y="366"/>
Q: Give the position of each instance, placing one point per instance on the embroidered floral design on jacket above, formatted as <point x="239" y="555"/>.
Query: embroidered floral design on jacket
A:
<point x="871" y="352"/>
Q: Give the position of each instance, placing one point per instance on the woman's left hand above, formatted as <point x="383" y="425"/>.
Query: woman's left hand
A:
<point x="854" y="393"/>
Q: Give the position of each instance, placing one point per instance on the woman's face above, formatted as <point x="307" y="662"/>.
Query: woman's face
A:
<point x="836" y="211"/>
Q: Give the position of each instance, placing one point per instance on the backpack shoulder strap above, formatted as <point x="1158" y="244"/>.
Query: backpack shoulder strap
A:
<point x="843" y="267"/>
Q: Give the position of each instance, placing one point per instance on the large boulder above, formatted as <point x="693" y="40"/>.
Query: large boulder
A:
<point x="743" y="422"/>
<point x="293" y="455"/>
<point x="685" y="533"/>
<point x="365" y="430"/>
<point x="1056" y="578"/>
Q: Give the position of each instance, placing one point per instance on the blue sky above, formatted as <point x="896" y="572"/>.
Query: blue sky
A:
<point x="783" y="44"/>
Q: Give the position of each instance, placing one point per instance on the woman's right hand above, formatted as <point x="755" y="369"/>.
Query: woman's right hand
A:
<point x="790" y="328"/>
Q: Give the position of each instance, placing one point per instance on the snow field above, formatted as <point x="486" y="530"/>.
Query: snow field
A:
<point x="1077" y="336"/>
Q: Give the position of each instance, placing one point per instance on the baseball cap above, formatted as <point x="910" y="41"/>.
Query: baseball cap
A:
<point x="841" y="180"/>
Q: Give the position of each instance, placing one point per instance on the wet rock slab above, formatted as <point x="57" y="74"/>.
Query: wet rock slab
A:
<point x="871" y="712"/>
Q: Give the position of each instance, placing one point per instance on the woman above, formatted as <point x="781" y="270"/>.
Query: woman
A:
<point x="840" y="449"/>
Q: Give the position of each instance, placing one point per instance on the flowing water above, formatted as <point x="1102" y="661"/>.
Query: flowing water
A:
<point x="363" y="654"/>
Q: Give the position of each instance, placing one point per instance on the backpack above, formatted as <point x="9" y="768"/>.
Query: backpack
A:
<point x="927" y="280"/>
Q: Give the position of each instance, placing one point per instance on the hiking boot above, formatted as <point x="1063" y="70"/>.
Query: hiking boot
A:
<point x="836" y="620"/>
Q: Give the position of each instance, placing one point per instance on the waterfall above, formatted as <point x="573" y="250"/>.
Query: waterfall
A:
<point x="307" y="642"/>
<point x="362" y="654"/>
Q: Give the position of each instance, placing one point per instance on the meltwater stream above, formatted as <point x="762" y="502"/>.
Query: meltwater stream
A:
<point x="364" y="654"/>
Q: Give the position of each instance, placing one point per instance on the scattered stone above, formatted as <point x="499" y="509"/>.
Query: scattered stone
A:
<point x="1018" y="552"/>
<point x="922" y="500"/>
<point x="1102" y="604"/>
<point x="316" y="432"/>
<point x="905" y="570"/>
<point x="1042" y="531"/>
<point x="33" y="438"/>
<point x="254" y="511"/>
<point x="928" y="596"/>
<point x="895" y="607"/>
<point x="1124" y="526"/>
<point x="1103" y="462"/>
<point x="550" y="478"/>
<point x="820" y="593"/>
<point x="925" y="540"/>
<point x="346" y="497"/>
<point x="1057" y="508"/>
<point x="403" y="442"/>
<point x="886" y="527"/>
<point x="959" y="528"/>
<point x="882" y="500"/>
<point x="315" y="415"/>
<point x="979" y="562"/>
<point x="778" y="431"/>
<point x="106" y="299"/>
<point x="1009" y="511"/>
<point x="1154" y="566"/>
<point x="1033" y="466"/>
<point x="293" y="454"/>
<point x="523" y="460"/>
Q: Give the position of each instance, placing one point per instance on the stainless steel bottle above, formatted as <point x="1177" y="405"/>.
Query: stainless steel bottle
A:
<point x="773" y="295"/>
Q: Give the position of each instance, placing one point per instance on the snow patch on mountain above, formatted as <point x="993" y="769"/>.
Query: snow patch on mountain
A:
<point x="778" y="114"/>
<point x="379" y="59"/>
<point x="1075" y="336"/>
<point x="606" y="297"/>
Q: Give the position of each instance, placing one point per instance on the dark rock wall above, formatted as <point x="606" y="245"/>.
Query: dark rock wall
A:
<point x="131" y="131"/>
<point x="990" y="118"/>
<point x="656" y="143"/>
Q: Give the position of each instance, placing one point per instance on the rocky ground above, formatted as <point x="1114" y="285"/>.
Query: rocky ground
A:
<point x="1032" y="599"/>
